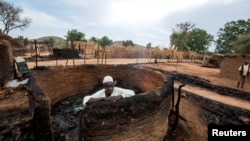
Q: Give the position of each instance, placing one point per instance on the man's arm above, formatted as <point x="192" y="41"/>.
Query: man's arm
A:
<point x="125" y="92"/>
<point x="240" y="69"/>
<point x="98" y="96"/>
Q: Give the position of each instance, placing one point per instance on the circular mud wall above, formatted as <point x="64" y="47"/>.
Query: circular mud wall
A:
<point x="85" y="79"/>
<point x="140" y="117"/>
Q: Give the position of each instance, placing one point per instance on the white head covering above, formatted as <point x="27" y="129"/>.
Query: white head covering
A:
<point x="107" y="79"/>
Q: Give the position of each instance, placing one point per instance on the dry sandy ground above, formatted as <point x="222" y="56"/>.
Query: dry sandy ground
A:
<point x="194" y="128"/>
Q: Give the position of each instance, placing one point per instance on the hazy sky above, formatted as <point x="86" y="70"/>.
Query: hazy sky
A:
<point x="141" y="21"/>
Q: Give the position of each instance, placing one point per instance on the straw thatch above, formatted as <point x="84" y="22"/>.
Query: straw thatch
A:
<point x="88" y="49"/>
<point x="7" y="66"/>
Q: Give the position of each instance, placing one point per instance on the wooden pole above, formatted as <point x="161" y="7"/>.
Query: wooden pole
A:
<point x="36" y="51"/>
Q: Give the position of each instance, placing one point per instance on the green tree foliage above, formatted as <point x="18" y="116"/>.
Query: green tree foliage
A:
<point x="178" y="40"/>
<point x="242" y="44"/>
<point x="74" y="35"/>
<point x="94" y="39"/>
<point x="185" y="27"/>
<point x="149" y="45"/>
<point x="179" y="37"/>
<point x="105" y="41"/>
<point x="128" y="43"/>
<point x="199" y="40"/>
<point x="230" y="33"/>
<point x="11" y="19"/>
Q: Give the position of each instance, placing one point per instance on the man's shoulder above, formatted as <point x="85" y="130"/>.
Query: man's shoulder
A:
<point x="119" y="88"/>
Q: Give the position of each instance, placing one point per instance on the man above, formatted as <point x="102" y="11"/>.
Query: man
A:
<point x="108" y="93"/>
<point x="244" y="71"/>
<point x="156" y="61"/>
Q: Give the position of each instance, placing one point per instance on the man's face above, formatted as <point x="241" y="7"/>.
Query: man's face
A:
<point x="108" y="86"/>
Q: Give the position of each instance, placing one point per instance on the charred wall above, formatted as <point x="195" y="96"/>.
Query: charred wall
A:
<point x="7" y="66"/>
<point x="65" y="53"/>
<point x="142" y="117"/>
<point x="40" y="109"/>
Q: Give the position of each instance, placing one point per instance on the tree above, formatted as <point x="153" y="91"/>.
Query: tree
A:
<point x="199" y="40"/>
<point x="185" y="27"/>
<point x="149" y="45"/>
<point x="105" y="41"/>
<point x="230" y="33"/>
<point x="10" y="16"/>
<point x="74" y="35"/>
<point x="242" y="44"/>
<point x="128" y="43"/>
<point x="178" y="39"/>
<point x="94" y="39"/>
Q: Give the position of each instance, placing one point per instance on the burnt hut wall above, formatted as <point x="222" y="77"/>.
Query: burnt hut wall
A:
<point x="86" y="79"/>
<point x="40" y="109"/>
<point x="149" y="110"/>
<point x="7" y="66"/>
<point x="230" y="65"/>
<point x="65" y="53"/>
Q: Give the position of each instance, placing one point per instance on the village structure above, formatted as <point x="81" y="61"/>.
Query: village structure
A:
<point x="49" y="87"/>
<point x="11" y="48"/>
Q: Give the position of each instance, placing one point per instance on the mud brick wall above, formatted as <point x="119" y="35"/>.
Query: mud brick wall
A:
<point x="7" y="66"/>
<point x="231" y="64"/>
<point x="65" y="53"/>
<point x="40" y="109"/>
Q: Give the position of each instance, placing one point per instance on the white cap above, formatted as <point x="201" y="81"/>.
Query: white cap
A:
<point x="107" y="79"/>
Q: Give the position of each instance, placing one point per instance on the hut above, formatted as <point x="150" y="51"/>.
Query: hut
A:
<point x="214" y="61"/>
<point x="141" y="117"/>
<point x="87" y="49"/>
<point x="7" y="67"/>
<point x="16" y="44"/>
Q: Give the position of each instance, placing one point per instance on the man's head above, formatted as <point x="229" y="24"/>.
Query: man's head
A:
<point x="108" y="84"/>
<point x="246" y="62"/>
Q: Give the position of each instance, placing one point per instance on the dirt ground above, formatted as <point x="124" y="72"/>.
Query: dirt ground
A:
<point x="192" y="126"/>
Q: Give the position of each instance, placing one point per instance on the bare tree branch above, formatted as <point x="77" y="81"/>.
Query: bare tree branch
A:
<point x="10" y="16"/>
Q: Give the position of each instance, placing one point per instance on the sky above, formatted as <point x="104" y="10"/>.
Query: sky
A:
<point x="142" y="21"/>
